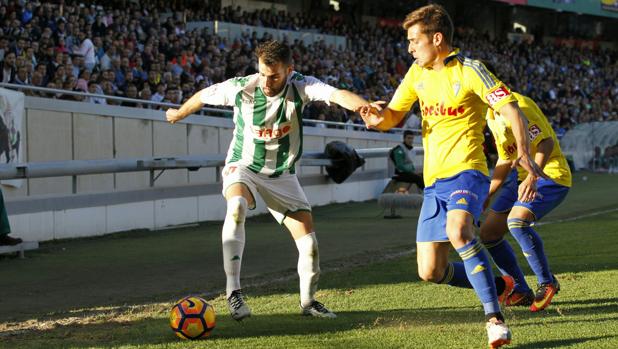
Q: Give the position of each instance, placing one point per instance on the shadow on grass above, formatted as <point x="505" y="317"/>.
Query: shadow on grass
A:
<point x="152" y="331"/>
<point x="557" y="343"/>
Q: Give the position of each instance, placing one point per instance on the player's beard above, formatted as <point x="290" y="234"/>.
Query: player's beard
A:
<point x="271" y="92"/>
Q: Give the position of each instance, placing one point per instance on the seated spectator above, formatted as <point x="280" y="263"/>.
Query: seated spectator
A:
<point x="22" y="77"/>
<point x="131" y="93"/>
<point x="8" y="68"/>
<point x="402" y="156"/>
<point x="145" y="94"/>
<point x="94" y="88"/>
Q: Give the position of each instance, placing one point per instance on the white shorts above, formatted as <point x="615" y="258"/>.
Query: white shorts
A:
<point x="282" y="195"/>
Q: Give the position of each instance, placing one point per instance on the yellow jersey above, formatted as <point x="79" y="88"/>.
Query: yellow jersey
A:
<point x="539" y="128"/>
<point x="453" y="103"/>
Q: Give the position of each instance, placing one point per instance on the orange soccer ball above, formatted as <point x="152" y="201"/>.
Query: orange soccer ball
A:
<point x="192" y="318"/>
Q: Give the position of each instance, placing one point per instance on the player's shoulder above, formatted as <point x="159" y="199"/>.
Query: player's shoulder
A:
<point x="243" y="82"/>
<point x="298" y="79"/>
<point x="470" y="65"/>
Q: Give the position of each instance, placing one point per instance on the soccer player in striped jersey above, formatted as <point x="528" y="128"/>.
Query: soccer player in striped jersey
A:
<point x="454" y="93"/>
<point x="266" y="144"/>
<point x="507" y="213"/>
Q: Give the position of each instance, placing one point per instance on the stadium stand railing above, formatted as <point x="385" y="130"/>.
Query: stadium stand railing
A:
<point x="192" y="163"/>
<point x="212" y="111"/>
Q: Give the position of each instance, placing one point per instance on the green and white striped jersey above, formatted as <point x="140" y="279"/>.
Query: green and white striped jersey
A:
<point x="268" y="135"/>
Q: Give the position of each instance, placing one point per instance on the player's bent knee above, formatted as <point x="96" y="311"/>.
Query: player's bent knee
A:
<point x="237" y="208"/>
<point x="430" y="274"/>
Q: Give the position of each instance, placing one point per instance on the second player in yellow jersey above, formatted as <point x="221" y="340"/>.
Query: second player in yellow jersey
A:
<point x="509" y="214"/>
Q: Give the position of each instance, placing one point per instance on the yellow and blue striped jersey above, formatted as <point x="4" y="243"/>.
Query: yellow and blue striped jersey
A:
<point x="453" y="103"/>
<point x="539" y="128"/>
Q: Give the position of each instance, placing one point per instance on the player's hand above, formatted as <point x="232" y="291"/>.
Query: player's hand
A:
<point x="172" y="115"/>
<point x="527" y="189"/>
<point x="528" y="164"/>
<point x="370" y="114"/>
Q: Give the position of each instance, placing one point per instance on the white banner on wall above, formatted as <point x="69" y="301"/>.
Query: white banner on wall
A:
<point x="11" y="121"/>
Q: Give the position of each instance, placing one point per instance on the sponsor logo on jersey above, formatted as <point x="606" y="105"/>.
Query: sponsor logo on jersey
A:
<point x="266" y="133"/>
<point x="533" y="131"/>
<point x="229" y="170"/>
<point x="497" y="95"/>
<point x="511" y="148"/>
<point x="442" y="110"/>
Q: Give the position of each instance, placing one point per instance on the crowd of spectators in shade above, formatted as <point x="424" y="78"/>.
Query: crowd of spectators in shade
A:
<point x="134" y="49"/>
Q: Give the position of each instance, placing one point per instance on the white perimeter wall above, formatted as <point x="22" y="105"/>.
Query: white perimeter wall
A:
<point x="64" y="130"/>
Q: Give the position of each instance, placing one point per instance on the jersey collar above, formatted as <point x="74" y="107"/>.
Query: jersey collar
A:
<point x="452" y="55"/>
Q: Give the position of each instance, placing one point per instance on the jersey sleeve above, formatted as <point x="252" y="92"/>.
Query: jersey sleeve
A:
<point x="313" y="89"/>
<point x="537" y="129"/>
<point x="405" y="95"/>
<point x="502" y="155"/>
<point x="222" y="93"/>
<point x="484" y="84"/>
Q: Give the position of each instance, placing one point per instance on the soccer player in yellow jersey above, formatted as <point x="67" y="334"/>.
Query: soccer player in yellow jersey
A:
<point x="508" y="213"/>
<point x="454" y="93"/>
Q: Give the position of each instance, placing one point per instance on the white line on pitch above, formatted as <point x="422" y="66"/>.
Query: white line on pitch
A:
<point x="577" y="217"/>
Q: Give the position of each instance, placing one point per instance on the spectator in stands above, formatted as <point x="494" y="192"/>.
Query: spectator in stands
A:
<point x="159" y="94"/>
<point x="8" y="69"/>
<point x="94" y="88"/>
<point x="402" y="156"/>
<point x="572" y="85"/>
<point x="22" y="77"/>
<point x="131" y="93"/>
<point x="145" y="94"/>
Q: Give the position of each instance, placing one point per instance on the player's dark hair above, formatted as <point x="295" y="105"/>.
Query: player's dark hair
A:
<point x="273" y="52"/>
<point x="434" y="19"/>
<point x="407" y="133"/>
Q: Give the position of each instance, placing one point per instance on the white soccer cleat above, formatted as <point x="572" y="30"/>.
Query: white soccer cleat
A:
<point x="317" y="309"/>
<point x="498" y="334"/>
<point x="238" y="308"/>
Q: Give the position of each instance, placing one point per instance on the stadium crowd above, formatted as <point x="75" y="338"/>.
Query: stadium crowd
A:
<point x="141" y="52"/>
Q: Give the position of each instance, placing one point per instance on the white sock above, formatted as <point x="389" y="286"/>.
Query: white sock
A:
<point x="308" y="267"/>
<point x="233" y="238"/>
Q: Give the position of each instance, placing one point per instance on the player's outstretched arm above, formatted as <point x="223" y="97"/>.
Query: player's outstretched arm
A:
<point x="189" y="107"/>
<point x="349" y="100"/>
<point x="379" y="118"/>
